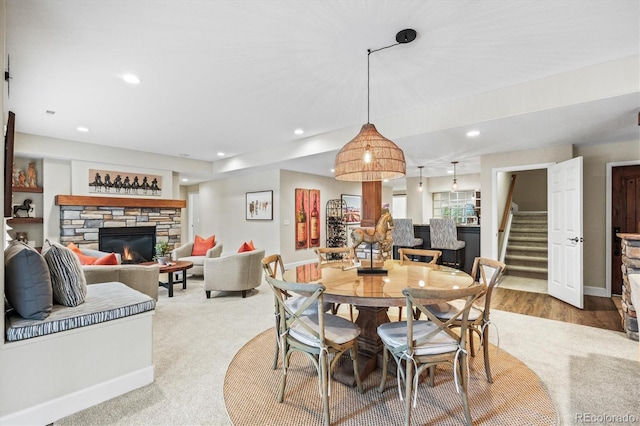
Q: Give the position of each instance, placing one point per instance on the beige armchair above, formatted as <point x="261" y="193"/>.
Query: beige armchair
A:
<point x="236" y="272"/>
<point x="184" y="253"/>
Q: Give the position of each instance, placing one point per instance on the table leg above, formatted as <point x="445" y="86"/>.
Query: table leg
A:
<point x="369" y="345"/>
<point x="170" y="283"/>
<point x="184" y="280"/>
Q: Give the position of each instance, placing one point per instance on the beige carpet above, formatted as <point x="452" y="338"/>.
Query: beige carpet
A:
<point x="250" y="389"/>
<point x="586" y="370"/>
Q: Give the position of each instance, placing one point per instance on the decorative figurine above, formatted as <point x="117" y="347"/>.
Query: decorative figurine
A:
<point x="22" y="179"/>
<point x="32" y="179"/>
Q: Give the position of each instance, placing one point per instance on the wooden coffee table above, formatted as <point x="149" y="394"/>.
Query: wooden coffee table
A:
<point x="170" y="269"/>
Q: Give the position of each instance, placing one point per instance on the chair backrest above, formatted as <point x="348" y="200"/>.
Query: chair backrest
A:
<point x="404" y="254"/>
<point x="487" y="272"/>
<point x="402" y="233"/>
<point x="335" y="256"/>
<point x="433" y="296"/>
<point x="443" y="232"/>
<point x="272" y="264"/>
<point x="294" y="314"/>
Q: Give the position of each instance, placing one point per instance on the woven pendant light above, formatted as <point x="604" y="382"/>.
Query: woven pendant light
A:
<point x="370" y="156"/>
<point x="386" y="160"/>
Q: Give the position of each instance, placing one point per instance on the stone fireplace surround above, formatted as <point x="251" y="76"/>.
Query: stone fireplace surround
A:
<point x="82" y="216"/>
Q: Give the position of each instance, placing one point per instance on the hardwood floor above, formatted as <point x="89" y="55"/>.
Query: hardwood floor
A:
<point x="600" y="312"/>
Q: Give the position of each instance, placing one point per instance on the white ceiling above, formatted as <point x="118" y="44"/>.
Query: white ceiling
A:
<point x="240" y="76"/>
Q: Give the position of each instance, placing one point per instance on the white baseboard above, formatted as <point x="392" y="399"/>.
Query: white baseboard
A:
<point x="66" y="405"/>
<point x="595" y="291"/>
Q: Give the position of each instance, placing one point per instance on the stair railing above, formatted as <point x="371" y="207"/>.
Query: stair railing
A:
<point x="504" y="238"/>
<point x="507" y="208"/>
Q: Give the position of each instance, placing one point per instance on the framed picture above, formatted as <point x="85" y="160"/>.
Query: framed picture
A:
<point x="259" y="205"/>
<point x="353" y="208"/>
<point x="302" y="216"/>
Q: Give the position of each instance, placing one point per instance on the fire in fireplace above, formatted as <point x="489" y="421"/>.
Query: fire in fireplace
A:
<point x="134" y="243"/>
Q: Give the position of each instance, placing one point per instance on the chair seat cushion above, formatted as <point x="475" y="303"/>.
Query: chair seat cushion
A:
<point x="196" y="260"/>
<point x="336" y="329"/>
<point x="454" y="245"/>
<point x="294" y="302"/>
<point x="394" y="334"/>
<point x="446" y="310"/>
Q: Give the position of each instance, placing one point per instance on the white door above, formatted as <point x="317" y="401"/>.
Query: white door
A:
<point x="194" y="215"/>
<point x="565" y="231"/>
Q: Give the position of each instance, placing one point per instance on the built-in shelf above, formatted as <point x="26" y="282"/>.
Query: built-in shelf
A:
<point x="23" y="220"/>
<point x="26" y="189"/>
<point x="83" y="200"/>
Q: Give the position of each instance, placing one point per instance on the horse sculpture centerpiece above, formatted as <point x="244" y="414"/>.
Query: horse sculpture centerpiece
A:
<point x="372" y="236"/>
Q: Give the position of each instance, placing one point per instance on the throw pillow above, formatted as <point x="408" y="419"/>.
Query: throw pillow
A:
<point x="201" y="245"/>
<point x="109" y="259"/>
<point x="251" y="246"/>
<point x="27" y="284"/>
<point x="67" y="278"/>
<point x="84" y="259"/>
<point x="245" y="247"/>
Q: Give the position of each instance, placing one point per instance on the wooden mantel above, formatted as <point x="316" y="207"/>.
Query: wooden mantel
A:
<point x="81" y="200"/>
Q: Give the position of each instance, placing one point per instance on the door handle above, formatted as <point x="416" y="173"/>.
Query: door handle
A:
<point x="576" y="239"/>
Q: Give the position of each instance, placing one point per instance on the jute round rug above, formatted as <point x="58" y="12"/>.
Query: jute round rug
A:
<point x="516" y="396"/>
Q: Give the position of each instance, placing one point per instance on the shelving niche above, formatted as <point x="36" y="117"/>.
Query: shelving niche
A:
<point x="33" y="226"/>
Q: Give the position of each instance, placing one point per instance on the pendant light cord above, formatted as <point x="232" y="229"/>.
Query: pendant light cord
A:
<point x="369" y="52"/>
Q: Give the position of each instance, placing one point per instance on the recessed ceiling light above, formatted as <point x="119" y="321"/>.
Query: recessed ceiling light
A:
<point x="185" y="180"/>
<point x="82" y="129"/>
<point x="450" y="172"/>
<point x="131" y="79"/>
<point x="473" y="133"/>
<point x="298" y="131"/>
<point x="221" y="154"/>
<point x="50" y="112"/>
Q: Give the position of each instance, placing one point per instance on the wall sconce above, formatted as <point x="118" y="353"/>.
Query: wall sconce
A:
<point x="420" y="184"/>
<point x="454" y="187"/>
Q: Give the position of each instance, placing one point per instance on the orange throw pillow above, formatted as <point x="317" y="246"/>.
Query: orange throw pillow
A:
<point x="84" y="259"/>
<point x="109" y="259"/>
<point x="201" y="245"/>
<point x="251" y="245"/>
<point x="245" y="247"/>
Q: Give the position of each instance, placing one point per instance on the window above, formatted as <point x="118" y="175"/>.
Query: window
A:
<point x="399" y="206"/>
<point x="454" y="205"/>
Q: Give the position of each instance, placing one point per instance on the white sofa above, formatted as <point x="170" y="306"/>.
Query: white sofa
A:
<point x="235" y="272"/>
<point x="184" y="253"/>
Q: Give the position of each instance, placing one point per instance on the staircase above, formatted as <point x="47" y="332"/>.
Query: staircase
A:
<point x="527" y="246"/>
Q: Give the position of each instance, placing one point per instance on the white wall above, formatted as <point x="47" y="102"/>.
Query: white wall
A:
<point x="490" y="207"/>
<point x="222" y="211"/>
<point x="594" y="180"/>
<point x="594" y="177"/>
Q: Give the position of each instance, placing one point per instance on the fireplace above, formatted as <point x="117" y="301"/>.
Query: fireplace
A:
<point x="134" y="243"/>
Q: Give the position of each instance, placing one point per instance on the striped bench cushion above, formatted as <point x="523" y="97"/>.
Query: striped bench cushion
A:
<point x="104" y="302"/>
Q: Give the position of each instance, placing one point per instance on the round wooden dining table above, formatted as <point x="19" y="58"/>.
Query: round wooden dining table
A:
<point x="372" y="295"/>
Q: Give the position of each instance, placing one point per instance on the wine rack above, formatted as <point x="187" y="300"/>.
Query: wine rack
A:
<point x="336" y="226"/>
